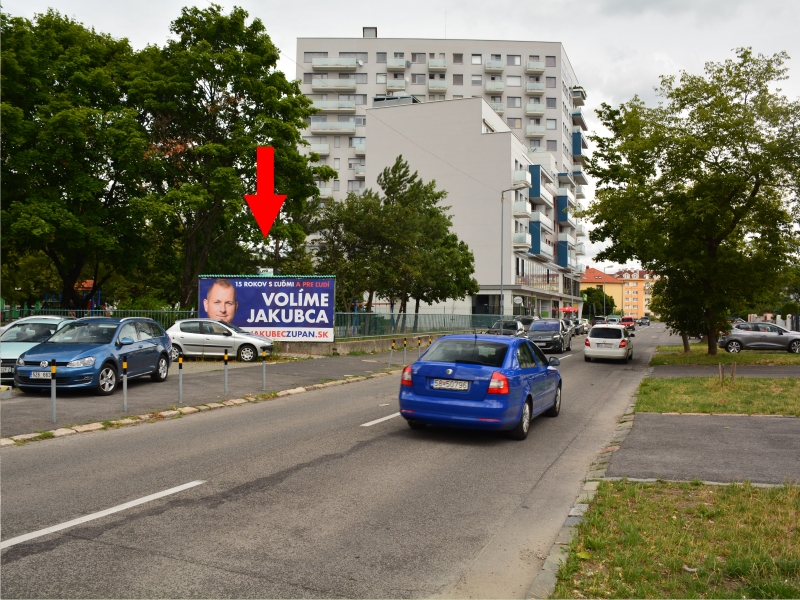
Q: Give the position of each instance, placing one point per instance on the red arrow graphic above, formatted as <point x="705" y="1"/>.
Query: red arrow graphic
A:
<point x="266" y="204"/>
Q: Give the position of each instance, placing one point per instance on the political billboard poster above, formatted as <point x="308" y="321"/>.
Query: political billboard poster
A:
<point x="284" y="308"/>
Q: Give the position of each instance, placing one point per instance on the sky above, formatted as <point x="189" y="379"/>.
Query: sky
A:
<point x="618" y="48"/>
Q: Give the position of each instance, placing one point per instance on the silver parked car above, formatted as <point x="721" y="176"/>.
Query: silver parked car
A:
<point x="22" y="335"/>
<point x="208" y="337"/>
<point x="760" y="336"/>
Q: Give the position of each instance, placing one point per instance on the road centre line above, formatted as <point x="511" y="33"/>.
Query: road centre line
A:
<point x="381" y="420"/>
<point x="97" y="515"/>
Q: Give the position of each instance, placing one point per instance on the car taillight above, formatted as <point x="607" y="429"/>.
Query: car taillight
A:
<point x="586" y="343"/>
<point x="623" y="343"/>
<point x="405" y="378"/>
<point x="498" y="384"/>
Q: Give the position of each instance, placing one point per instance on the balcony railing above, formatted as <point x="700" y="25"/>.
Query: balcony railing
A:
<point x="580" y="229"/>
<point x="326" y="192"/>
<point x="565" y="191"/>
<point x="335" y="106"/>
<point x="333" y="85"/>
<point x="544" y="197"/>
<point x="534" y="131"/>
<point x="492" y="87"/>
<point x="565" y="237"/>
<point x="493" y="66"/>
<point x="437" y="85"/>
<point x="534" y="88"/>
<point x="361" y="171"/>
<point x="580" y="249"/>
<point x="321" y="149"/>
<point x="498" y="107"/>
<point x="522" y="178"/>
<point x="579" y="193"/>
<point x="542" y="218"/>
<point x="334" y="64"/>
<point x="578" y="96"/>
<point x="437" y="65"/>
<point x="395" y="85"/>
<point x="543" y="250"/>
<point x="522" y="209"/>
<point x="578" y="176"/>
<point x="534" y="110"/>
<point x="361" y="149"/>
<point x="522" y="240"/>
<point x="396" y="64"/>
<point x="534" y="67"/>
<point x="335" y="127"/>
<point x="577" y="118"/>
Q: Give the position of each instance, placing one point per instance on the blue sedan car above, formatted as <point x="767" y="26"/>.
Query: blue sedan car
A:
<point x="481" y="382"/>
<point x="89" y="353"/>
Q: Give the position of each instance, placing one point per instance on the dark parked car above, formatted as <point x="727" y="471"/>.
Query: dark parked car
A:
<point x="760" y="336"/>
<point x="551" y="334"/>
<point x="526" y="320"/>
<point x="507" y="328"/>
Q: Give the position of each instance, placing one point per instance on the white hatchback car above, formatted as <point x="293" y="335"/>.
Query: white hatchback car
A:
<point x="608" y="341"/>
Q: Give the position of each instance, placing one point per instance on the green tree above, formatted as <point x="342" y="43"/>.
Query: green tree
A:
<point x="73" y="150"/>
<point x="593" y="305"/>
<point x="698" y="188"/>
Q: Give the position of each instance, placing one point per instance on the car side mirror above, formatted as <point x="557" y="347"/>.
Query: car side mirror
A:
<point x="126" y="341"/>
<point x="554" y="362"/>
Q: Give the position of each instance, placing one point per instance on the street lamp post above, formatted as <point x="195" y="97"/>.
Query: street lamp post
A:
<point x="502" y="239"/>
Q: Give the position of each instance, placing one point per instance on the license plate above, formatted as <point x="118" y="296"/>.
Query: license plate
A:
<point x="6" y="369"/>
<point x="605" y="345"/>
<point x="40" y="374"/>
<point x="450" y="384"/>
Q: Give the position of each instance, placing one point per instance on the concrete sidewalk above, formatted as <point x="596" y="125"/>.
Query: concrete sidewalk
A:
<point x="27" y="413"/>
<point x="671" y="371"/>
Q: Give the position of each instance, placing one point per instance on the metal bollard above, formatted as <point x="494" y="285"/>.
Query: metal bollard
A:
<point x="390" y="354"/>
<point x="180" y="380"/>
<point x="53" y="390"/>
<point x="419" y="348"/>
<point x="404" y="352"/>
<point x="125" y="384"/>
<point x="264" y="370"/>
<point x="226" y="373"/>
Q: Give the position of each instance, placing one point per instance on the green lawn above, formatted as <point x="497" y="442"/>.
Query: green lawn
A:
<point x="706" y="395"/>
<point x="673" y="355"/>
<point x="670" y="540"/>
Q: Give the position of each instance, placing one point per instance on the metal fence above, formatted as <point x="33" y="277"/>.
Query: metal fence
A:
<point x="166" y="318"/>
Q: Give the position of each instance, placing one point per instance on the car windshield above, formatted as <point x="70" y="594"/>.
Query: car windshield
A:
<point x="85" y="333"/>
<point x="606" y="333"/>
<point x="473" y="352"/>
<point x="505" y="325"/>
<point x="29" y="332"/>
<point x="544" y="326"/>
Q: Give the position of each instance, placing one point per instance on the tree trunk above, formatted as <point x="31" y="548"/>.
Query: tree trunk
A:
<point x="685" y="339"/>
<point x="369" y="300"/>
<point x="711" y="337"/>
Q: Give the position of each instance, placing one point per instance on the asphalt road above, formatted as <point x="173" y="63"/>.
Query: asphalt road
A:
<point x="301" y="500"/>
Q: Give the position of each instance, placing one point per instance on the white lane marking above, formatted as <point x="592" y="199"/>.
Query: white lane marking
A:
<point x="567" y="356"/>
<point x="381" y="420"/>
<point x="383" y="405"/>
<point x="97" y="515"/>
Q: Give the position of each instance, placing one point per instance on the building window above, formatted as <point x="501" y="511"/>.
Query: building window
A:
<point x="399" y="54"/>
<point x="310" y="77"/>
<point x="307" y="56"/>
<point x="336" y="163"/>
<point x="458" y="59"/>
<point x="380" y="57"/>
<point x="536" y="121"/>
<point x="551" y="82"/>
<point x="418" y="78"/>
<point x="356" y="141"/>
<point x="549" y="61"/>
<point x="361" y="78"/>
<point x="477" y="59"/>
<point x="477" y="80"/>
<point x="497" y="57"/>
<point x="533" y="57"/>
<point x="495" y="99"/>
<point x="362" y="56"/>
<point x="551" y="102"/>
<point x="552" y="145"/>
<point x="337" y="140"/>
<point x="536" y="143"/>
<point x="359" y="99"/>
<point x="418" y="57"/>
<point x="514" y="123"/>
<point x="356" y="185"/>
<point x="458" y="80"/>
<point x="458" y="96"/>
<point x="380" y="77"/>
<point x="352" y="162"/>
<point x="552" y="123"/>
<point x="514" y="101"/>
<point x="513" y="81"/>
<point x="513" y="60"/>
<point x="336" y="182"/>
<point x="441" y="97"/>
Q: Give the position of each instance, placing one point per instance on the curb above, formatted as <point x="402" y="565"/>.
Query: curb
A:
<point x="22" y="439"/>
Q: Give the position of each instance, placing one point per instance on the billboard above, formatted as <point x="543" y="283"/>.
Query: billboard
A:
<point x="283" y="308"/>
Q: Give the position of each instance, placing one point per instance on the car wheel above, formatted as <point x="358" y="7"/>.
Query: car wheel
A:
<point x="520" y="432"/>
<point x="794" y="347"/>
<point x="176" y="352"/>
<point x="587" y="358"/>
<point x="733" y="346"/>
<point x="556" y="408"/>
<point x="26" y="390"/>
<point x="560" y="347"/>
<point x="162" y="370"/>
<point x="106" y="380"/>
<point x="569" y="346"/>
<point x="247" y="353"/>
<point x="416" y="425"/>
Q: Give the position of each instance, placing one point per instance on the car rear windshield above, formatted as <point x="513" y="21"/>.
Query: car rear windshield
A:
<point x="473" y="352"/>
<point x="544" y="326"/>
<point x="85" y="333"/>
<point x="606" y="333"/>
<point x="505" y="325"/>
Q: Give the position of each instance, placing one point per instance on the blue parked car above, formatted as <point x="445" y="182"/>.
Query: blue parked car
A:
<point x="89" y="352"/>
<point x="481" y="382"/>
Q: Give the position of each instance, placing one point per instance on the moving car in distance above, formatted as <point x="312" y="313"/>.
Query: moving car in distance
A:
<point x="551" y="334"/>
<point x="480" y="382"/>
<point x="599" y="320"/>
<point x="613" y="320"/>
<point x="629" y="322"/>
<point x="209" y="337"/>
<point x="644" y="321"/>
<point x="526" y="320"/>
<point x="89" y="353"/>
<point x="759" y="336"/>
<point x="608" y="341"/>
<point x="515" y="328"/>
<point x="22" y="335"/>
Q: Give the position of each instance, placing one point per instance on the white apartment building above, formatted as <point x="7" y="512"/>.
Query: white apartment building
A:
<point x="523" y="92"/>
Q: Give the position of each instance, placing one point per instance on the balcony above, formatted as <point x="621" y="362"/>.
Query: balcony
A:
<point x="498" y="107"/>
<point x="538" y="194"/>
<point x="541" y="249"/>
<point x="326" y="192"/>
<point x="580" y="230"/>
<point x="578" y="96"/>
<point x="493" y="66"/>
<point x="437" y="85"/>
<point x="579" y="193"/>
<point x="522" y="209"/>
<point x="534" y="131"/>
<point x="361" y="171"/>
<point x="534" y="88"/>
<point x="335" y="106"/>
<point x="361" y="149"/>
<point x="494" y="87"/>
<point x="522" y="240"/>
<point x="534" y="110"/>
<point x="565" y="237"/>
<point x="395" y="85"/>
<point x="579" y="267"/>
<point x="577" y="118"/>
<point x="437" y="65"/>
<point x="333" y="85"/>
<point x="566" y="178"/>
<point x="566" y="192"/>
<point x="521" y="178"/>
<point x="396" y="64"/>
<point x="321" y="149"/>
<point x="335" y="127"/>
<point x="544" y="221"/>
<point x="580" y="250"/>
<point x="579" y="144"/>
<point x="578" y="176"/>
<point x="533" y="67"/>
<point x="333" y="64"/>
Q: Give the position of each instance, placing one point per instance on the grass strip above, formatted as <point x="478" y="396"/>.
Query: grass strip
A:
<point x="698" y="355"/>
<point x="685" y="540"/>
<point x="753" y="396"/>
